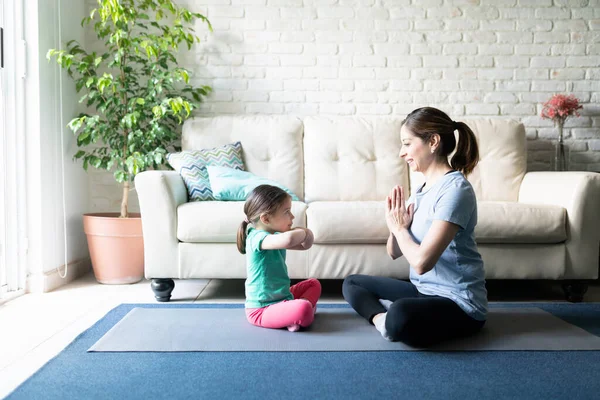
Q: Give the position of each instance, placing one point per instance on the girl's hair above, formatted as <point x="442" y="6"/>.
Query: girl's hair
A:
<point x="427" y="121"/>
<point x="263" y="199"/>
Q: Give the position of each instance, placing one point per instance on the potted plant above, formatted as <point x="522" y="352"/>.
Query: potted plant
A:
<point x="137" y="96"/>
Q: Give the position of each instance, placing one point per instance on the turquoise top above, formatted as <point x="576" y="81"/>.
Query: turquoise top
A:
<point x="267" y="279"/>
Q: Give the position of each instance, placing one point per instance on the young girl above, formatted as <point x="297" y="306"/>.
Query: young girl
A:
<point x="270" y="301"/>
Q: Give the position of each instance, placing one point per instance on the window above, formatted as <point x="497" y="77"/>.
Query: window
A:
<point x="12" y="204"/>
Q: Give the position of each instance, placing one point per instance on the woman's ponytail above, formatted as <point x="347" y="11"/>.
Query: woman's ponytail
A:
<point x="242" y="234"/>
<point x="467" y="152"/>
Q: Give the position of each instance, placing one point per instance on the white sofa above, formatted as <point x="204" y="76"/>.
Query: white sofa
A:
<point x="536" y="225"/>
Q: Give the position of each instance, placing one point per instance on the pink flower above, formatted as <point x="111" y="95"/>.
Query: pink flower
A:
<point x="561" y="107"/>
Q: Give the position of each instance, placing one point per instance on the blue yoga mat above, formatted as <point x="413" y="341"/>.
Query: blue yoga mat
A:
<point x="334" y="329"/>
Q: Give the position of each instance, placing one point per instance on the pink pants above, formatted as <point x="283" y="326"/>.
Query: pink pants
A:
<point x="289" y="312"/>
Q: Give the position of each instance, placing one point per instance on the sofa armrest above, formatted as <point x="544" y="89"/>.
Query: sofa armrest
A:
<point x="579" y="194"/>
<point x="159" y="194"/>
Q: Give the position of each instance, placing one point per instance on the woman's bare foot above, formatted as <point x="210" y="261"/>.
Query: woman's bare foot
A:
<point x="379" y="322"/>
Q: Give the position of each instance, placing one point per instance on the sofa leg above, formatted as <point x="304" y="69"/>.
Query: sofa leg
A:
<point x="574" y="290"/>
<point x="162" y="289"/>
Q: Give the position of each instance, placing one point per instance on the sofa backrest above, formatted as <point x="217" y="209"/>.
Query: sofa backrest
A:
<point x="272" y="145"/>
<point x="502" y="159"/>
<point x="355" y="158"/>
<point x="352" y="158"/>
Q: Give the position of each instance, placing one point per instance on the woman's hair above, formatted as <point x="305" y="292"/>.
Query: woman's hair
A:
<point x="427" y="121"/>
<point x="263" y="199"/>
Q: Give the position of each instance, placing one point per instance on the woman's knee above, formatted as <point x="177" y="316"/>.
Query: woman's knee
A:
<point x="401" y="324"/>
<point x="351" y="280"/>
<point x="347" y="285"/>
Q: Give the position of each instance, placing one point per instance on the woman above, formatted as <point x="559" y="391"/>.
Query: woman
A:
<point x="446" y="296"/>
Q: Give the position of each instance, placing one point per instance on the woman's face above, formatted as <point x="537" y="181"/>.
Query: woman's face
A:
<point x="415" y="151"/>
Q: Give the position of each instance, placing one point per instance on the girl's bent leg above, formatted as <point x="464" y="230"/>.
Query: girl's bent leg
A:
<point x="363" y="292"/>
<point x="425" y="321"/>
<point x="309" y="289"/>
<point x="282" y="315"/>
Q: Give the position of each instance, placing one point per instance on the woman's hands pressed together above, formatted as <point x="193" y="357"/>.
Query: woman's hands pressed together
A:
<point x="397" y="216"/>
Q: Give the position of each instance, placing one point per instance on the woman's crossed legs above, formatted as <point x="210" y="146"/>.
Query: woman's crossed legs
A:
<point x="413" y="318"/>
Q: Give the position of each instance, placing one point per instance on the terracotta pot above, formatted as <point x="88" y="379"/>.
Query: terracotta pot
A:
<point x="116" y="247"/>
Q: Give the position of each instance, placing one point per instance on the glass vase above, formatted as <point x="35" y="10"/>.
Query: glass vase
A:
<point x="561" y="152"/>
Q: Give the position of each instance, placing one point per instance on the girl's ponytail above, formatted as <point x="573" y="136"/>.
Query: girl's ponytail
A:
<point x="467" y="152"/>
<point x="242" y="234"/>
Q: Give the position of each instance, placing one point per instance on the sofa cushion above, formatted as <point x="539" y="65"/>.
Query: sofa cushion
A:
<point x="498" y="222"/>
<point x="230" y="184"/>
<point x="508" y="222"/>
<point x="352" y="158"/>
<point x="347" y="221"/>
<point x="218" y="221"/>
<point x="191" y="165"/>
<point x="272" y="144"/>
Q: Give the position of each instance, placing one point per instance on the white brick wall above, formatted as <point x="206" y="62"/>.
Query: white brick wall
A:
<point x="492" y="58"/>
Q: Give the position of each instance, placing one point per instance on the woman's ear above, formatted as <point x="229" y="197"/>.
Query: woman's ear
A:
<point x="434" y="142"/>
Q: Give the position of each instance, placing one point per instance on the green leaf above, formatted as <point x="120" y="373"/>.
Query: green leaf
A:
<point x="185" y="75"/>
<point x="120" y="176"/>
<point x="83" y="138"/>
<point x="137" y="99"/>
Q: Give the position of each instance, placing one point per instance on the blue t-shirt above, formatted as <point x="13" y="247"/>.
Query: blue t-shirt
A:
<point x="458" y="275"/>
<point x="267" y="280"/>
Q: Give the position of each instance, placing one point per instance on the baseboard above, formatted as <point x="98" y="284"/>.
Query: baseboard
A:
<point x="51" y="280"/>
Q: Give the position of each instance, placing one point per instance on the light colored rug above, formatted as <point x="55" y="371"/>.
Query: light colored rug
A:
<point x="334" y="329"/>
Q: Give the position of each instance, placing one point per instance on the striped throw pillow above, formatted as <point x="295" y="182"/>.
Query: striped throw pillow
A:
<point x="191" y="165"/>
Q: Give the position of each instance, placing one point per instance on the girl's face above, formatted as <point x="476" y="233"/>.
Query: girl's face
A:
<point x="415" y="151"/>
<point x="282" y="219"/>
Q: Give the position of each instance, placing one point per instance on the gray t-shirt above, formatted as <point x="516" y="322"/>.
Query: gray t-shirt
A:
<point x="458" y="275"/>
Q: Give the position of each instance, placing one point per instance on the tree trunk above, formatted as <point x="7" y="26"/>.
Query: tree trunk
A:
<point x="124" y="212"/>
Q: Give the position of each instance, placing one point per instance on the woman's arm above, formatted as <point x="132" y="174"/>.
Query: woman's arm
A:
<point x="423" y="257"/>
<point x="392" y="247"/>
<point x="285" y="240"/>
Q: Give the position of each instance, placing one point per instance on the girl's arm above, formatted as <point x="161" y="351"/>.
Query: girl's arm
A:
<point x="392" y="247"/>
<point x="285" y="240"/>
<point x="308" y="241"/>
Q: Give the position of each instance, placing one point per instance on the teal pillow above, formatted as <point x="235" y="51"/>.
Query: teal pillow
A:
<point x="230" y="184"/>
<point x="191" y="164"/>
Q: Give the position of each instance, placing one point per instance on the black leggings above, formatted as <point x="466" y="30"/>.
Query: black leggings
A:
<point x="413" y="318"/>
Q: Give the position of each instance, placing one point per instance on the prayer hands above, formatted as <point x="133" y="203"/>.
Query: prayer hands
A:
<point x="397" y="216"/>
